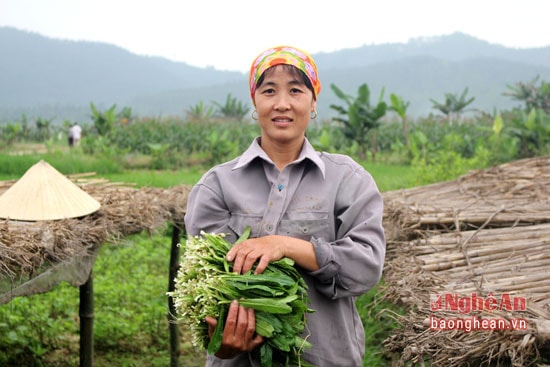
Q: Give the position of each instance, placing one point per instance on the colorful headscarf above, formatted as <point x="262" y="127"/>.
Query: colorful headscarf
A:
<point x="284" y="55"/>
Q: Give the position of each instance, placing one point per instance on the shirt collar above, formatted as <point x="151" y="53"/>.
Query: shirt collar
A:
<point x="255" y="151"/>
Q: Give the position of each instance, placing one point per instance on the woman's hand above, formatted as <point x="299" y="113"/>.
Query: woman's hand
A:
<point x="239" y="333"/>
<point x="271" y="248"/>
<point x="262" y="250"/>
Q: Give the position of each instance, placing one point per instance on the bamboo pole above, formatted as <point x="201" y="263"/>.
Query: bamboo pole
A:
<point x="513" y="249"/>
<point x="494" y="235"/>
<point x="172" y="272"/>
<point x="86" y="314"/>
<point x="460" y="261"/>
<point x="528" y="265"/>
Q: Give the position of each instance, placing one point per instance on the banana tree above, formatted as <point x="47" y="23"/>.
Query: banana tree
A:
<point x="532" y="95"/>
<point x="400" y="107"/>
<point x="360" y="119"/>
<point x="43" y="126"/>
<point x="453" y="105"/>
<point x="103" y="120"/>
<point x="233" y="108"/>
<point x="200" y="112"/>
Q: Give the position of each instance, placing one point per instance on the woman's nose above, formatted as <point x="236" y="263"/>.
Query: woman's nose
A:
<point x="282" y="103"/>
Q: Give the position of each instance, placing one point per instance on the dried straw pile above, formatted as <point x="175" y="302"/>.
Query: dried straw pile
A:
<point x="486" y="233"/>
<point x="27" y="248"/>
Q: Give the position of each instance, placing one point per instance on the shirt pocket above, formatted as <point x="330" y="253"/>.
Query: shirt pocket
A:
<point x="306" y="225"/>
<point x="239" y="222"/>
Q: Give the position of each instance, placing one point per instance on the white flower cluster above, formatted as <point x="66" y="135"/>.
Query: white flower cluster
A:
<point x="195" y="295"/>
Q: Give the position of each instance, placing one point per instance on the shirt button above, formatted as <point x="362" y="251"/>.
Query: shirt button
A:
<point x="269" y="227"/>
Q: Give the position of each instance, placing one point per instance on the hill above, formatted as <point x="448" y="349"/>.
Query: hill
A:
<point x="54" y="78"/>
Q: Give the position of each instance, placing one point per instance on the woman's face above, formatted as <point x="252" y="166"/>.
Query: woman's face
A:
<point x="284" y="105"/>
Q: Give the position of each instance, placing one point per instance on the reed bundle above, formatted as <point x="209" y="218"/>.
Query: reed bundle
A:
<point x="486" y="233"/>
<point x="506" y="195"/>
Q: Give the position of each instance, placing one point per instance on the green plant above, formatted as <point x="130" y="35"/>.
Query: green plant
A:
<point x="233" y="109"/>
<point x="534" y="97"/>
<point x="532" y="131"/>
<point x="29" y="328"/>
<point x="205" y="286"/>
<point x="158" y="155"/>
<point x="103" y="121"/>
<point x="130" y="311"/>
<point x="379" y="321"/>
<point x="132" y="315"/>
<point x="500" y="146"/>
<point x="199" y="112"/>
<point x="400" y="107"/>
<point x="43" y="126"/>
<point x="221" y="147"/>
<point x="361" y="117"/>
<point x="454" y="105"/>
<point x="445" y="165"/>
<point x="125" y="115"/>
<point x="10" y="133"/>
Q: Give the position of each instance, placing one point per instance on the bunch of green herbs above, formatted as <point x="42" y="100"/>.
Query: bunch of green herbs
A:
<point x="205" y="286"/>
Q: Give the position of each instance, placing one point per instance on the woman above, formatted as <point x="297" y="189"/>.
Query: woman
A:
<point x="322" y="210"/>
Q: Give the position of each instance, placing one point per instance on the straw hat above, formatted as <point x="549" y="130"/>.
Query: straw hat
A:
<point x="45" y="194"/>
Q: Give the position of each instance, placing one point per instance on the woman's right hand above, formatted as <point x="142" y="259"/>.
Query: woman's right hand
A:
<point x="239" y="333"/>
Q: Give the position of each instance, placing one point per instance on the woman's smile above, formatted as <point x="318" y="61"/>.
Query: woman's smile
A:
<point x="282" y="121"/>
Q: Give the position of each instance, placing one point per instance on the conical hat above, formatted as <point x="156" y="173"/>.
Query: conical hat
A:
<point x="45" y="194"/>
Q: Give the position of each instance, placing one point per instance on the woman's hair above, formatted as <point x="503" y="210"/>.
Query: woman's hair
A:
<point x="292" y="70"/>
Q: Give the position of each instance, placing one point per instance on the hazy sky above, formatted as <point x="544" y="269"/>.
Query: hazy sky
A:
<point x="228" y="34"/>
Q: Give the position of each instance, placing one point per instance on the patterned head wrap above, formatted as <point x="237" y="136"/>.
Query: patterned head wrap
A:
<point x="284" y="55"/>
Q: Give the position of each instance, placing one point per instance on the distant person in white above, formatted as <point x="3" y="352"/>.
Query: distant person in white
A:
<point x="75" y="133"/>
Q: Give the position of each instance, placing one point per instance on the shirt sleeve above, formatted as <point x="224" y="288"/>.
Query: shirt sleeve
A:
<point x="206" y="210"/>
<point x="352" y="264"/>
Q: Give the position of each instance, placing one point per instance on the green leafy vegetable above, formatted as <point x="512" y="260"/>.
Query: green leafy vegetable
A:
<point x="205" y="286"/>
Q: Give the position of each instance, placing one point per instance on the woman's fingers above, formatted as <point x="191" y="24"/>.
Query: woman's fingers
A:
<point x="260" y="250"/>
<point x="239" y="331"/>
<point x="212" y="322"/>
<point x="240" y="328"/>
<point x="253" y="339"/>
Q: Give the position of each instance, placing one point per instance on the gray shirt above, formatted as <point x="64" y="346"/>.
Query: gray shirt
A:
<point x="327" y="199"/>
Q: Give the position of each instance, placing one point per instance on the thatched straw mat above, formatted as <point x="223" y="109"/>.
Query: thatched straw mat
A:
<point x="43" y="193"/>
<point x="37" y="255"/>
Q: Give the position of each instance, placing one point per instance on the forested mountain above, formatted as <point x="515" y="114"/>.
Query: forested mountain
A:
<point x="58" y="79"/>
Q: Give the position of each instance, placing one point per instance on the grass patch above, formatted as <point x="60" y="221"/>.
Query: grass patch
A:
<point x="130" y="321"/>
<point x="378" y="322"/>
<point x="159" y="178"/>
<point x="14" y="166"/>
<point x="390" y="177"/>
